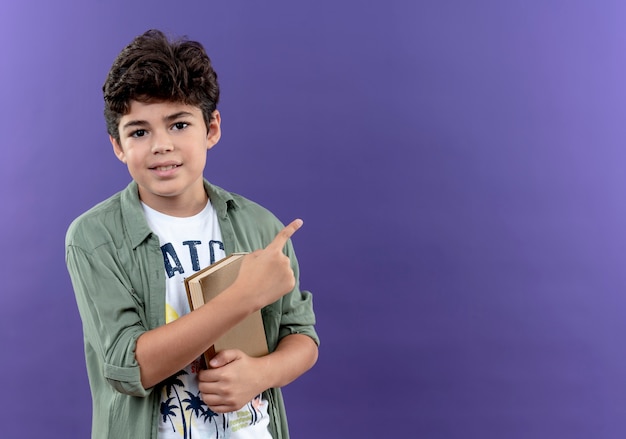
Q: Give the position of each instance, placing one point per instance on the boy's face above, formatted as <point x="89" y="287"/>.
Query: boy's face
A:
<point x="164" y="145"/>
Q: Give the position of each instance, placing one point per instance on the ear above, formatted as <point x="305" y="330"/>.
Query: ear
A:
<point x="117" y="149"/>
<point x="215" y="131"/>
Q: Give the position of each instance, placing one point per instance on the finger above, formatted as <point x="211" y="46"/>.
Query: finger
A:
<point x="206" y="376"/>
<point x="223" y="358"/>
<point x="283" y="236"/>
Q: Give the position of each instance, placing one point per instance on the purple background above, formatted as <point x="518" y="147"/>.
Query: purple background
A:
<point x="459" y="167"/>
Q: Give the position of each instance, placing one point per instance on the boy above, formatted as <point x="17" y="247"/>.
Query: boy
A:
<point x="128" y="257"/>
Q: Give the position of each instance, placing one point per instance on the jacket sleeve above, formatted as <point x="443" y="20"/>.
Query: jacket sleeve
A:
<point x="112" y="314"/>
<point x="297" y="315"/>
<point x="293" y="313"/>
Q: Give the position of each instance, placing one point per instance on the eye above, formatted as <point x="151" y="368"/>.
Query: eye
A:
<point x="138" y="133"/>
<point x="180" y="125"/>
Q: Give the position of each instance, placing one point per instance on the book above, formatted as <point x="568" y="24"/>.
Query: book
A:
<point x="249" y="334"/>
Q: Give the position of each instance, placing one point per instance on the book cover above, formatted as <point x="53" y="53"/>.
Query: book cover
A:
<point x="248" y="335"/>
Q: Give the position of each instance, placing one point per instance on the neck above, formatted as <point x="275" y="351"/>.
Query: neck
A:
<point x="177" y="206"/>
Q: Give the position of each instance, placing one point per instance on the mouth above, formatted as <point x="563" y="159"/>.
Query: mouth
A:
<point x="164" y="168"/>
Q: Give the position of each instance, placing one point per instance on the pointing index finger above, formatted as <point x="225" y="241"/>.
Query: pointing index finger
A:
<point x="283" y="236"/>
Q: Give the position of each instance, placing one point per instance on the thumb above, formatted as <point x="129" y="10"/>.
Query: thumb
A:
<point x="223" y="358"/>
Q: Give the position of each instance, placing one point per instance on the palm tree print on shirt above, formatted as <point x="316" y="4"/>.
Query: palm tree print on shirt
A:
<point x="195" y="408"/>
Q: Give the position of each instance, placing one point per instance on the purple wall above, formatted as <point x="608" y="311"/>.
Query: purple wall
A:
<point x="460" y="170"/>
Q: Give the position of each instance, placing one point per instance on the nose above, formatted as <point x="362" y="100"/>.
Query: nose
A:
<point x="161" y="142"/>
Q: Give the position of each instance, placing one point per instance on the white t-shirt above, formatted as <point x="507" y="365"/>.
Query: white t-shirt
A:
<point x="188" y="245"/>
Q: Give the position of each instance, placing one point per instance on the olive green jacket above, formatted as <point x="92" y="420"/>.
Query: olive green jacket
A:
<point x="116" y="266"/>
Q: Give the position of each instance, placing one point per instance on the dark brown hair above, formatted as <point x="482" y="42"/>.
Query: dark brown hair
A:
<point x="153" y="68"/>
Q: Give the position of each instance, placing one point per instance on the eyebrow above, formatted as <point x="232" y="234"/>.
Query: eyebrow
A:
<point x="169" y="118"/>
